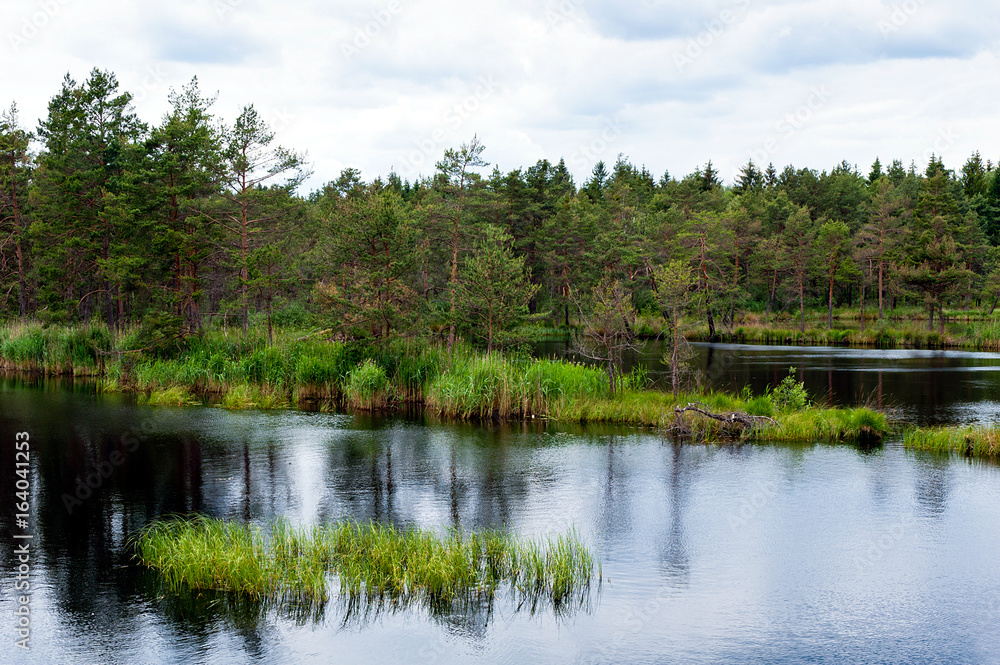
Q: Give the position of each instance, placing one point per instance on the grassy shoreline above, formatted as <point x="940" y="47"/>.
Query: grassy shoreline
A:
<point x="982" y="441"/>
<point x="903" y="329"/>
<point x="300" y="370"/>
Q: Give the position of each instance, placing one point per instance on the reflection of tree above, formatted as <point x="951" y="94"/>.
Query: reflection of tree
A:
<point x="933" y="484"/>
<point x="674" y="557"/>
<point x="616" y="503"/>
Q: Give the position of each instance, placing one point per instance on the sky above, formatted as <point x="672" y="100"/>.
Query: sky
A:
<point x="391" y="84"/>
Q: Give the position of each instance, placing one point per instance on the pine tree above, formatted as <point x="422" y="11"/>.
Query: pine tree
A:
<point x="373" y="246"/>
<point x="935" y="265"/>
<point x="15" y="167"/>
<point x="185" y="165"/>
<point x="493" y="297"/>
<point x="797" y="251"/>
<point x="833" y="251"/>
<point x="455" y="183"/>
<point x="879" y="240"/>
<point x="256" y="180"/>
<point x="83" y="223"/>
<point x="875" y="173"/>
<point x="750" y="179"/>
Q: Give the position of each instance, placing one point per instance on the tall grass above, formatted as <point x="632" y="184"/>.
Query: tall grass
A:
<point x="368" y="387"/>
<point x="983" y="335"/>
<point x="246" y="372"/>
<point x="370" y="561"/>
<point x="55" y="350"/>
<point x="974" y="441"/>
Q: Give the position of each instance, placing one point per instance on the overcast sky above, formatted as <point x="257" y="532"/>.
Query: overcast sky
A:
<point x="391" y="84"/>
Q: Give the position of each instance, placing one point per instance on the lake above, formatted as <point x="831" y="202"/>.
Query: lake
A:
<point x="943" y="387"/>
<point x="710" y="554"/>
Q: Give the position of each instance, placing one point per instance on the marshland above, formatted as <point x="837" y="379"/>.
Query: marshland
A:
<point x="500" y="417"/>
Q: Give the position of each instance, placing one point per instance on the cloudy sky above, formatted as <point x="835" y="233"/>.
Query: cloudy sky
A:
<point x="390" y="84"/>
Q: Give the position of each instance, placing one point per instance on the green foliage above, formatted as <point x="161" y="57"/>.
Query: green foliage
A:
<point x="761" y="405"/>
<point x="368" y="387"/>
<point x="494" y="292"/>
<point x="373" y="562"/>
<point x="789" y="395"/>
<point x="973" y="441"/>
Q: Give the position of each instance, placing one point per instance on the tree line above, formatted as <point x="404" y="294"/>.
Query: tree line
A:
<point x="173" y="226"/>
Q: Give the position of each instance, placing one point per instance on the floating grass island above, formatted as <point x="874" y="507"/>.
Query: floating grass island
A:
<point x="372" y="562"/>
<point x="972" y="441"/>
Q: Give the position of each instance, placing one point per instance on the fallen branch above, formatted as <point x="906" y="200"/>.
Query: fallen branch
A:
<point x="736" y="423"/>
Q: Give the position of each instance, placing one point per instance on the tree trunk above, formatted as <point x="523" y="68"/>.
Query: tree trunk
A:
<point x="930" y="322"/>
<point x="770" y="299"/>
<point x="21" y="285"/>
<point x="862" y="303"/>
<point x="880" y="271"/>
<point x="992" y="309"/>
<point x="829" y="312"/>
<point x="802" y="304"/>
<point x="453" y="279"/>
<point x="244" y="275"/>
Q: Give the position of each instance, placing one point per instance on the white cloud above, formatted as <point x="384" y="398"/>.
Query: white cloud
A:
<point x="393" y="83"/>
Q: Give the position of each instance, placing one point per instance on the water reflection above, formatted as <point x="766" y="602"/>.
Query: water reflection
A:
<point x="923" y="387"/>
<point x="714" y="554"/>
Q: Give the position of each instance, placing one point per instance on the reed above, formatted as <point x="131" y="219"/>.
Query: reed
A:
<point x="172" y="396"/>
<point x="974" y="441"/>
<point x="368" y="387"/>
<point x="54" y="350"/>
<point x="369" y="560"/>
<point x="246" y="372"/>
<point x="249" y="396"/>
<point x="824" y="424"/>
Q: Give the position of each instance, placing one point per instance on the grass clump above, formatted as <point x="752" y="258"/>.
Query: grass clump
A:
<point x="172" y="396"/>
<point x="249" y="396"/>
<point x="371" y="561"/>
<point x="368" y="387"/>
<point x="973" y="441"/>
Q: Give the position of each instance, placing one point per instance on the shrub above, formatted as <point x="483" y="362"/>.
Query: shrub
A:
<point x="789" y="395"/>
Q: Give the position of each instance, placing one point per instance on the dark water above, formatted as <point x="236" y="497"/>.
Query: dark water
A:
<point x="921" y="387"/>
<point x="732" y="554"/>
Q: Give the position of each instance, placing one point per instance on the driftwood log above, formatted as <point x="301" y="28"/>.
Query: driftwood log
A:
<point x="735" y="424"/>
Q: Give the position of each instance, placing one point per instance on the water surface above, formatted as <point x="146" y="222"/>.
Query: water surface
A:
<point x="918" y="386"/>
<point x="711" y="554"/>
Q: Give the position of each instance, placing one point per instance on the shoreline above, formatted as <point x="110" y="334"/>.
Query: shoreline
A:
<point x="224" y="369"/>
